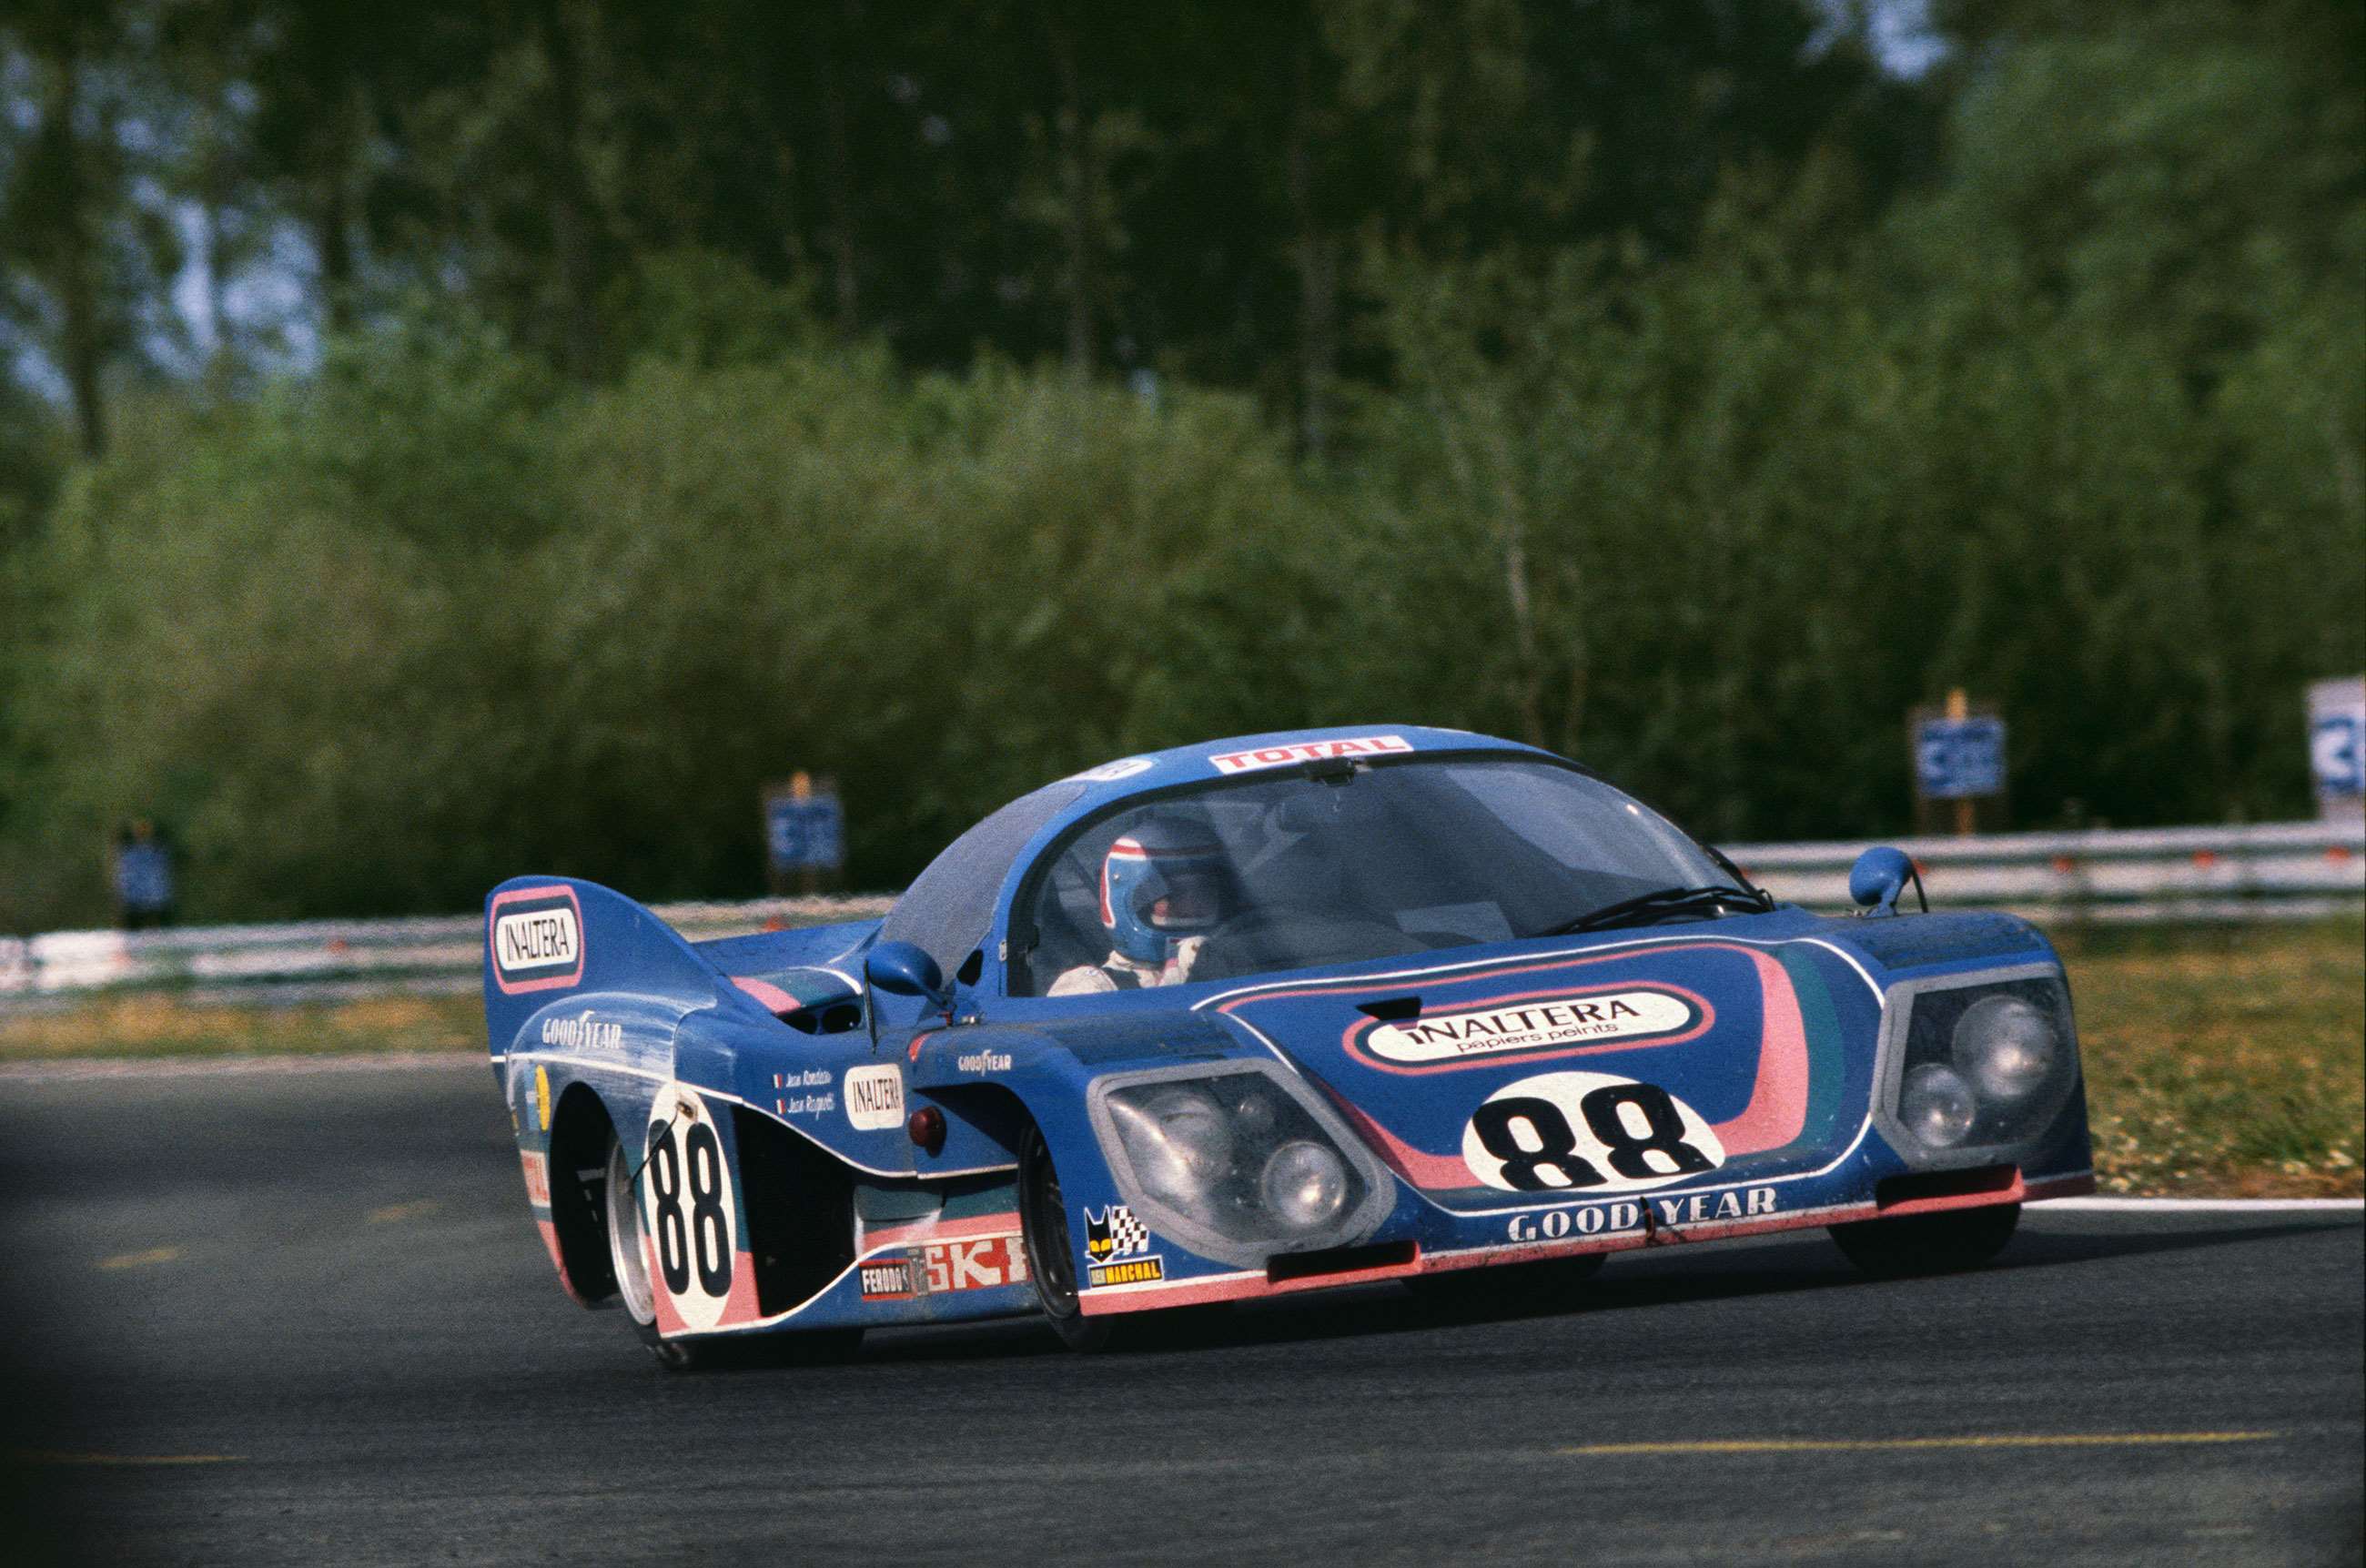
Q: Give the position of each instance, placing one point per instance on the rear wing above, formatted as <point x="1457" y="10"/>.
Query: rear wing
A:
<point x="546" y="937"/>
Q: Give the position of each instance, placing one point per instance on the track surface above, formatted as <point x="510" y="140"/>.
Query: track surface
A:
<point x="331" y="1279"/>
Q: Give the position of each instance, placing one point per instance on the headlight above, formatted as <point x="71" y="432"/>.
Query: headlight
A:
<point x="1989" y="1062"/>
<point x="2006" y="1047"/>
<point x="1236" y="1161"/>
<point x="1936" y="1105"/>
<point x="1305" y="1185"/>
<point x="1180" y="1142"/>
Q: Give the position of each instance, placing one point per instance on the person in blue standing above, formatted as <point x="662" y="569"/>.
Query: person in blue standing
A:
<point x="144" y="878"/>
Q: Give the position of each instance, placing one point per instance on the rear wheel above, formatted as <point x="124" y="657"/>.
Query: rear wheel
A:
<point x="627" y="1255"/>
<point x="1928" y="1244"/>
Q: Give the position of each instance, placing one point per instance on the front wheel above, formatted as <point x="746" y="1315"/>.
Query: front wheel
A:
<point x="1044" y="1219"/>
<point x="1928" y="1244"/>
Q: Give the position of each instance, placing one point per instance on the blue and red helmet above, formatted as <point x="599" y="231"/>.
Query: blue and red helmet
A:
<point x="1166" y="877"/>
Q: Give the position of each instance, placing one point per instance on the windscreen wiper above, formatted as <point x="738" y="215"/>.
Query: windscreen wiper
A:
<point x="1661" y="901"/>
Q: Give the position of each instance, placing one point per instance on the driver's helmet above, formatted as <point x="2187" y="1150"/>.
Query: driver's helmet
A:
<point x="1166" y="877"/>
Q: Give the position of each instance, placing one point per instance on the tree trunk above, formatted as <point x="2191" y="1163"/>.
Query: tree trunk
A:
<point x="1316" y="255"/>
<point x="570" y="202"/>
<point x="78" y="260"/>
<point x="1077" y="183"/>
<point x="838" y="187"/>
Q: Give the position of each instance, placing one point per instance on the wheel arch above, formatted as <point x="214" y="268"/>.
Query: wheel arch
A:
<point x="580" y="1126"/>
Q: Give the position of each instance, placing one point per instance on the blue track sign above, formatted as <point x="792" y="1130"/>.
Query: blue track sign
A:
<point x="2337" y="741"/>
<point x="1959" y="759"/>
<point x="806" y="834"/>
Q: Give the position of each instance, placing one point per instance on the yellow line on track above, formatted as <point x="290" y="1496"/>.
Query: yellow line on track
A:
<point x="394" y="1213"/>
<point x="47" y="1456"/>
<point x="140" y="1259"/>
<point x="1900" y="1445"/>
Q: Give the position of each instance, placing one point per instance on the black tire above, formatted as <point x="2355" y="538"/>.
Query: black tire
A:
<point x="1928" y="1244"/>
<point x="1512" y="1288"/>
<point x="1051" y="1261"/>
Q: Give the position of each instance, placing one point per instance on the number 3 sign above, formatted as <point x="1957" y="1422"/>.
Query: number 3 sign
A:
<point x="1565" y="1131"/>
<point x="686" y="1208"/>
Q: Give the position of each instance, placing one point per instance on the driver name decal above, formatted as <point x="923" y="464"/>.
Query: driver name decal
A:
<point x="1308" y="751"/>
<point x="1535" y="1025"/>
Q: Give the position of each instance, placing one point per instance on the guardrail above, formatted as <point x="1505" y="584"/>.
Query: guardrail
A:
<point x="2280" y="871"/>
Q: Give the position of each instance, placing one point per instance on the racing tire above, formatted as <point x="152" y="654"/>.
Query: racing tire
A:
<point x="1051" y="1260"/>
<point x="1928" y="1244"/>
<point x="1510" y="1289"/>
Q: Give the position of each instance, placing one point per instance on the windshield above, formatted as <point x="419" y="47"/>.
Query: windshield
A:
<point x="1282" y="873"/>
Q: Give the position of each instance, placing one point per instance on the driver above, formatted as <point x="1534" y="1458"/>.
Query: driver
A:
<point x="1165" y="886"/>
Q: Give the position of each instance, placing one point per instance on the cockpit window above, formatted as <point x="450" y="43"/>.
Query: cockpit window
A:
<point x="1273" y="872"/>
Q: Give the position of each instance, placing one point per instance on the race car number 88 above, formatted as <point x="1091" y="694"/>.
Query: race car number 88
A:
<point x="704" y="1238"/>
<point x="1560" y="1131"/>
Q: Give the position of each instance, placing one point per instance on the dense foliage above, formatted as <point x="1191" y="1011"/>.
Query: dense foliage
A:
<point x="1664" y="383"/>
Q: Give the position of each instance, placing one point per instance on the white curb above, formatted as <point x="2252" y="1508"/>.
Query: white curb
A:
<point x="2208" y="1205"/>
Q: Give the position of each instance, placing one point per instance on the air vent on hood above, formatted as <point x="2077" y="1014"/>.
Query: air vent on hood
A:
<point x="1392" y="1009"/>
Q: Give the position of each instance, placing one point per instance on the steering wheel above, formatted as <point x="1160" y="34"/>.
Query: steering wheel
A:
<point x="1246" y="945"/>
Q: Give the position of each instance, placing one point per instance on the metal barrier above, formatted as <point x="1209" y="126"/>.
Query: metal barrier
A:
<point x="2280" y="871"/>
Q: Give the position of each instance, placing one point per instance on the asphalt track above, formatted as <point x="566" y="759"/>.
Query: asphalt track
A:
<point x="303" y="1318"/>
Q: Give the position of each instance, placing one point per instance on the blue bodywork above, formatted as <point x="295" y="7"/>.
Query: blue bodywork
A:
<point x="830" y="1199"/>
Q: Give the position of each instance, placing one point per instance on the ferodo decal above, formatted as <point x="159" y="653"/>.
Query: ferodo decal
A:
<point x="1308" y="751"/>
<point x="687" y="1207"/>
<point x="875" y="1096"/>
<point x="1570" y="1130"/>
<point x="1517" y="1025"/>
<point x="886" y="1279"/>
<point x="536" y="936"/>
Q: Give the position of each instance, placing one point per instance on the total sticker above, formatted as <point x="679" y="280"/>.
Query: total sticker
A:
<point x="1569" y="1132"/>
<point x="687" y="1209"/>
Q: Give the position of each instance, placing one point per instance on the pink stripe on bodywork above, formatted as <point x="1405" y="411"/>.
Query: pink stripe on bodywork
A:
<point x="773" y="999"/>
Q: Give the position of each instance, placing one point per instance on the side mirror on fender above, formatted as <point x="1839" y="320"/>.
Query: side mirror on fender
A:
<point x="1879" y="877"/>
<point x="904" y="969"/>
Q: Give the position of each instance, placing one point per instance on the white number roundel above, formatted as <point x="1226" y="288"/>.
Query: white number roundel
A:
<point x="1586" y="1133"/>
<point x="686" y="1208"/>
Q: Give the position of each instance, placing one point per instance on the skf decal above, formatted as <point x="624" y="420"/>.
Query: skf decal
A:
<point x="584" y="1032"/>
<point x="1308" y="751"/>
<point x="886" y="1279"/>
<point x="975" y="1263"/>
<point x="1114" y="1232"/>
<point x="1542" y="1023"/>
<point x="1609" y="1219"/>
<point x="1569" y="1131"/>
<point x="984" y="1062"/>
<point x="535" y="935"/>
<point x="1127" y="1271"/>
<point x="875" y="1096"/>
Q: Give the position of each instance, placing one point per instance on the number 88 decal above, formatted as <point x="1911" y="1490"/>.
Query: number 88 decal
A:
<point x="1586" y="1132"/>
<point x="686" y="1208"/>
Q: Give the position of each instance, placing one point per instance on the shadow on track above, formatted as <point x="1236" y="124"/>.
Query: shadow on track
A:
<point x="1677" y="1274"/>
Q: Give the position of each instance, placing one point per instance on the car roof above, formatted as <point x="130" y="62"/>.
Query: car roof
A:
<point x="950" y="908"/>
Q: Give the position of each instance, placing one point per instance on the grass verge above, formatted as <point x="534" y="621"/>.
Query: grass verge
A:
<point x="2221" y="1060"/>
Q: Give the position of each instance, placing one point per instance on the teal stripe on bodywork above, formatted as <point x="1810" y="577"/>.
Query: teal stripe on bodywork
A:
<point x="1827" y="1060"/>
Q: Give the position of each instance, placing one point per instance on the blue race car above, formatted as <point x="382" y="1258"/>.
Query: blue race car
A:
<point x="1267" y="1015"/>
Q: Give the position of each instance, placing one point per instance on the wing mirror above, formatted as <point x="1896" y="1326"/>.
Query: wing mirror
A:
<point x="1879" y="877"/>
<point x="904" y="969"/>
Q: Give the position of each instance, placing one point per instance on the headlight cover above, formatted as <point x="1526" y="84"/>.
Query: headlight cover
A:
<point x="1236" y="1161"/>
<point x="1973" y="1068"/>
